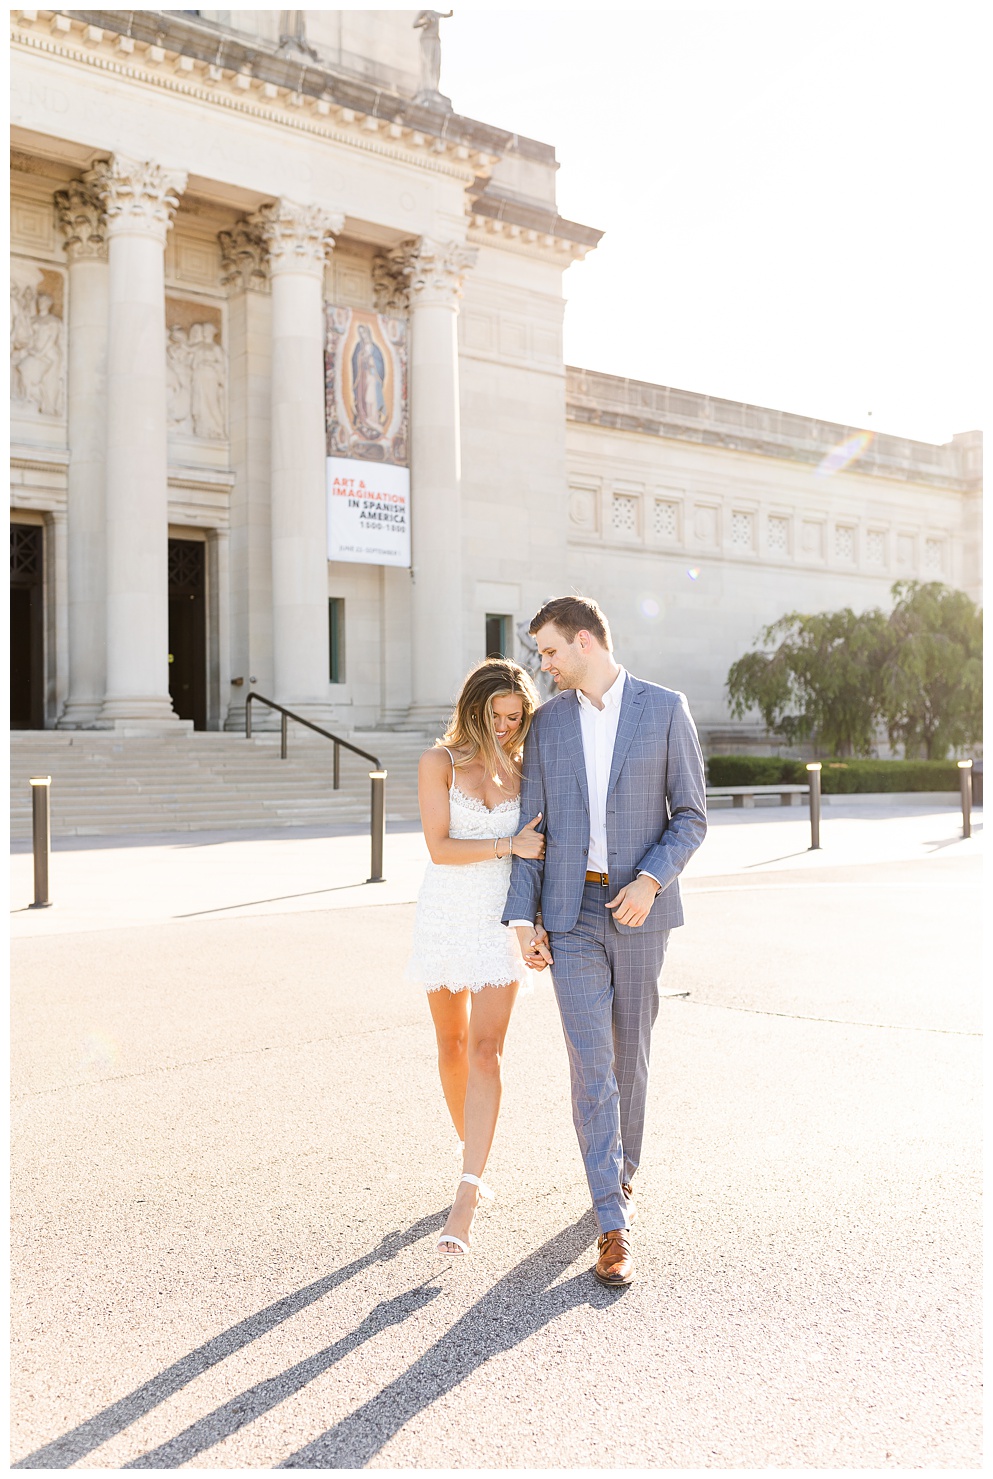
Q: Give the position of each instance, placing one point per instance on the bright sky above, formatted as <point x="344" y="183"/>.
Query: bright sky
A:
<point x="791" y="196"/>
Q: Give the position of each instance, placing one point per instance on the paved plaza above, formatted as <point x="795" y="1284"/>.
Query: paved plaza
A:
<point x="231" y="1157"/>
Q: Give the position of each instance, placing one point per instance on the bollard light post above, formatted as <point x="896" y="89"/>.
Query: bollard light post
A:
<point x="41" y="837"/>
<point x="377" y="824"/>
<point x="965" y="787"/>
<point x="814" y="772"/>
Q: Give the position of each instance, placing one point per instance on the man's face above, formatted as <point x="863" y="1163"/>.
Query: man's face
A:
<point x="566" y="661"/>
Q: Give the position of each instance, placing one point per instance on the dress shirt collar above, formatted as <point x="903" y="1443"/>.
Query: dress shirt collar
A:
<point x="611" y="699"/>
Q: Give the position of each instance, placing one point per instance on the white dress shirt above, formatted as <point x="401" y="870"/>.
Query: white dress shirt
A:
<point x="599" y="731"/>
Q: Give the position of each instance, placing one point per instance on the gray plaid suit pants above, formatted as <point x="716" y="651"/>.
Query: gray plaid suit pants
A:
<point x="607" y="986"/>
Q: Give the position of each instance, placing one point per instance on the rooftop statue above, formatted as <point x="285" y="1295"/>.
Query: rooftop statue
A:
<point x="428" y="23"/>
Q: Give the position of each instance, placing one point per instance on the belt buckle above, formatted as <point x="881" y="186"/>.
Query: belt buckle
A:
<point x="604" y="881"/>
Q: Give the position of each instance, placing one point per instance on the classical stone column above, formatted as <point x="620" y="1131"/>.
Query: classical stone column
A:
<point x="84" y="227"/>
<point x="299" y="238"/>
<point x="245" y="274"/>
<point x="433" y="273"/>
<point x="139" y="198"/>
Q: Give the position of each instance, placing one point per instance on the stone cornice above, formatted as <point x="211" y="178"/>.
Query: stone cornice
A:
<point x="596" y="399"/>
<point x="509" y="236"/>
<point x="412" y="136"/>
<point x="519" y="221"/>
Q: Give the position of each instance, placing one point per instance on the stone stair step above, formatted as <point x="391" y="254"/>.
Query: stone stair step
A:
<point x="106" y="784"/>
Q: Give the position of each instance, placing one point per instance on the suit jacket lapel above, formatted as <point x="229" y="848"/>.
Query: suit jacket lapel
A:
<point x="632" y="700"/>
<point x="574" y="741"/>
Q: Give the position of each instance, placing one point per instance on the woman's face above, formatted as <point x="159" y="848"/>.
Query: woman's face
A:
<point x="508" y="711"/>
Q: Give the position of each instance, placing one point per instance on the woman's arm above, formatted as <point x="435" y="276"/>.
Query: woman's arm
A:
<point x="432" y="795"/>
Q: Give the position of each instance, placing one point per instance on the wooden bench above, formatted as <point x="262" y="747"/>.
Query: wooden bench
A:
<point x="745" y="795"/>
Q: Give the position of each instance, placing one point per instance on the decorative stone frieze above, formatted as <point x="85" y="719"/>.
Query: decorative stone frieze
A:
<point x="432" y="271"/>
<point x="244" y="258"/>
<point x="83" y="221"/>
<point x="138" y="195"/>
<point x="298" y="238"/>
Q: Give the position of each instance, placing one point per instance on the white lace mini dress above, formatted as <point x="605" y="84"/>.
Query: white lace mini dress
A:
<point x="459" y="942"/>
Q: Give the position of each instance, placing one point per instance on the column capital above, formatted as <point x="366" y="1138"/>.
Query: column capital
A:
<point x="83" y="222"/>
<point x="423" y="270"/>
<point x="298" y="238"/>
<point x="244" y="257"/>
<point x="138" y="195"/>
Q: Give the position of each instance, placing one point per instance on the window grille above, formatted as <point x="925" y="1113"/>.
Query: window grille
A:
<point x="844" y="543"/>
<point x="779" y="535"/>
<point x="25" y="553"/>
<point x="624" y="514"/>
<point x="875" y="547"/>
<point x="665" y="524"/>
<point x="741" y="531"/>
<point x="933" y="555"/>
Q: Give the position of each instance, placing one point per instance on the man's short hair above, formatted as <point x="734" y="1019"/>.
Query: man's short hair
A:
<point x="572" y="614"/>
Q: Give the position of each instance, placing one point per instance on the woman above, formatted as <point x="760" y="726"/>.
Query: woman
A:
<point x="469" y="792"/>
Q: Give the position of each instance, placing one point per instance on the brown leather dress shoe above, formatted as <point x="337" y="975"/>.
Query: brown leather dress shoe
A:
<point x="615" y="1266"/>
<point x="629" y="1198"/>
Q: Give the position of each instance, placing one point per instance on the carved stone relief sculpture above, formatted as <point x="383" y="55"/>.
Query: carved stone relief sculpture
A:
<point x="37" y="343"/>
<point x="196" y="380"/>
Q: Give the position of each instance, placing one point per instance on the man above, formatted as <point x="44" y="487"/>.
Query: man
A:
<point x="614" y="766"/>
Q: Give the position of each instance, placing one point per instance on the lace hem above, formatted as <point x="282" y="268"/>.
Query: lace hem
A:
<point x="473" y="986"/>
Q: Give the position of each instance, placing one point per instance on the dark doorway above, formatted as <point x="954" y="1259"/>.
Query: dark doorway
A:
<point x="27" y="626"/>
<point x="188" y="630"/>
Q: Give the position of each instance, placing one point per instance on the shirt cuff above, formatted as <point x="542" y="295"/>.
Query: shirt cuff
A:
<point x="524" y="924"/>
<point x="644" y="873"/>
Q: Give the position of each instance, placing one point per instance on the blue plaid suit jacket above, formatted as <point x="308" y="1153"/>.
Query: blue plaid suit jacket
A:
<point x="656" y="806"/>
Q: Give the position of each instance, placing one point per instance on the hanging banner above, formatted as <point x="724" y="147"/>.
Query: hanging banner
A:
<point x="368" y="512"/>
<point x="367" y="437"/>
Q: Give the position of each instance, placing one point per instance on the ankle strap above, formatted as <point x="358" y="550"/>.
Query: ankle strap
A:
<point x="484" y="1190"/>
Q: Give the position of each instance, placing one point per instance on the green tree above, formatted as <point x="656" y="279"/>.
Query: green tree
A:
<point x="818" y="679"/>
<point x="932" y="694"/>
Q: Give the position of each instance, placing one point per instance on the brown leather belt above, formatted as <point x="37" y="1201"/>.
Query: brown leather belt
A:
<point x="600" y="878"/>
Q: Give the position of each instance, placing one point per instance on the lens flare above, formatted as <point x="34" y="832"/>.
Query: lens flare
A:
<point x="845" y="453"/>
<point x="98" y="1050"/>
<point x="694" y="572"/>
<point x="650" y="607"/>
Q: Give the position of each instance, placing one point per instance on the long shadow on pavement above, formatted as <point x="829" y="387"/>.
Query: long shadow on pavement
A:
<point x="520" y="1305"/>
<point x="515" y="1308"/>
<point x="260" y="1399"/>
<point x="62" y="1452"/>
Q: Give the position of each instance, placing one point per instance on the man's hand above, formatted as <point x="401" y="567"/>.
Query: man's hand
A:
<point x="633" y="902"/>
<point x="533" y="941"/>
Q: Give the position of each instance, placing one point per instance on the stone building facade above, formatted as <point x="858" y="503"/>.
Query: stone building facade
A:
<point x="189" y="190"/>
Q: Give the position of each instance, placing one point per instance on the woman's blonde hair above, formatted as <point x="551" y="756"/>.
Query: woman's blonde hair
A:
<point x="471" y="727"/>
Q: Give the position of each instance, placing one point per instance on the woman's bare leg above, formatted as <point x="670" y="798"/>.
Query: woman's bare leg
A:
<point x="488" y="1021"/>
<point x="450" y="1011"/>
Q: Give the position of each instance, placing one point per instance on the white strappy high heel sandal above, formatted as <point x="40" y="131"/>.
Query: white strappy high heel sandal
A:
<point x="446" y="1253"/>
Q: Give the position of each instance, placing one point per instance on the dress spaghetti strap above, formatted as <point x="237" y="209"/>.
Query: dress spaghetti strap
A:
<point x="451" y="757"/>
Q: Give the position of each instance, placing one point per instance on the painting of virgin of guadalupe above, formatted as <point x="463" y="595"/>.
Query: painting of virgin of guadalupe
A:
<point x="366" y="385"/>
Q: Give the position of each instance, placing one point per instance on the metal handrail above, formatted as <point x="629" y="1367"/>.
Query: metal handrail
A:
<point x="377" y="810"/>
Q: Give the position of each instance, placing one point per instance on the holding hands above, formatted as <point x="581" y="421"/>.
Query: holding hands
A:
<point x="533" y="940"/>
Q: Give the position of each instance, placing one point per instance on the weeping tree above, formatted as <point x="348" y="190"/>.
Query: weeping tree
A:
<point x="816" y="678"/>
<point x="932" y="694"/>
<point x="835" y="678"/>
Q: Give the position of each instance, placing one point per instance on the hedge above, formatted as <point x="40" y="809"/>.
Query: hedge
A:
<point x="837" y="776"/>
